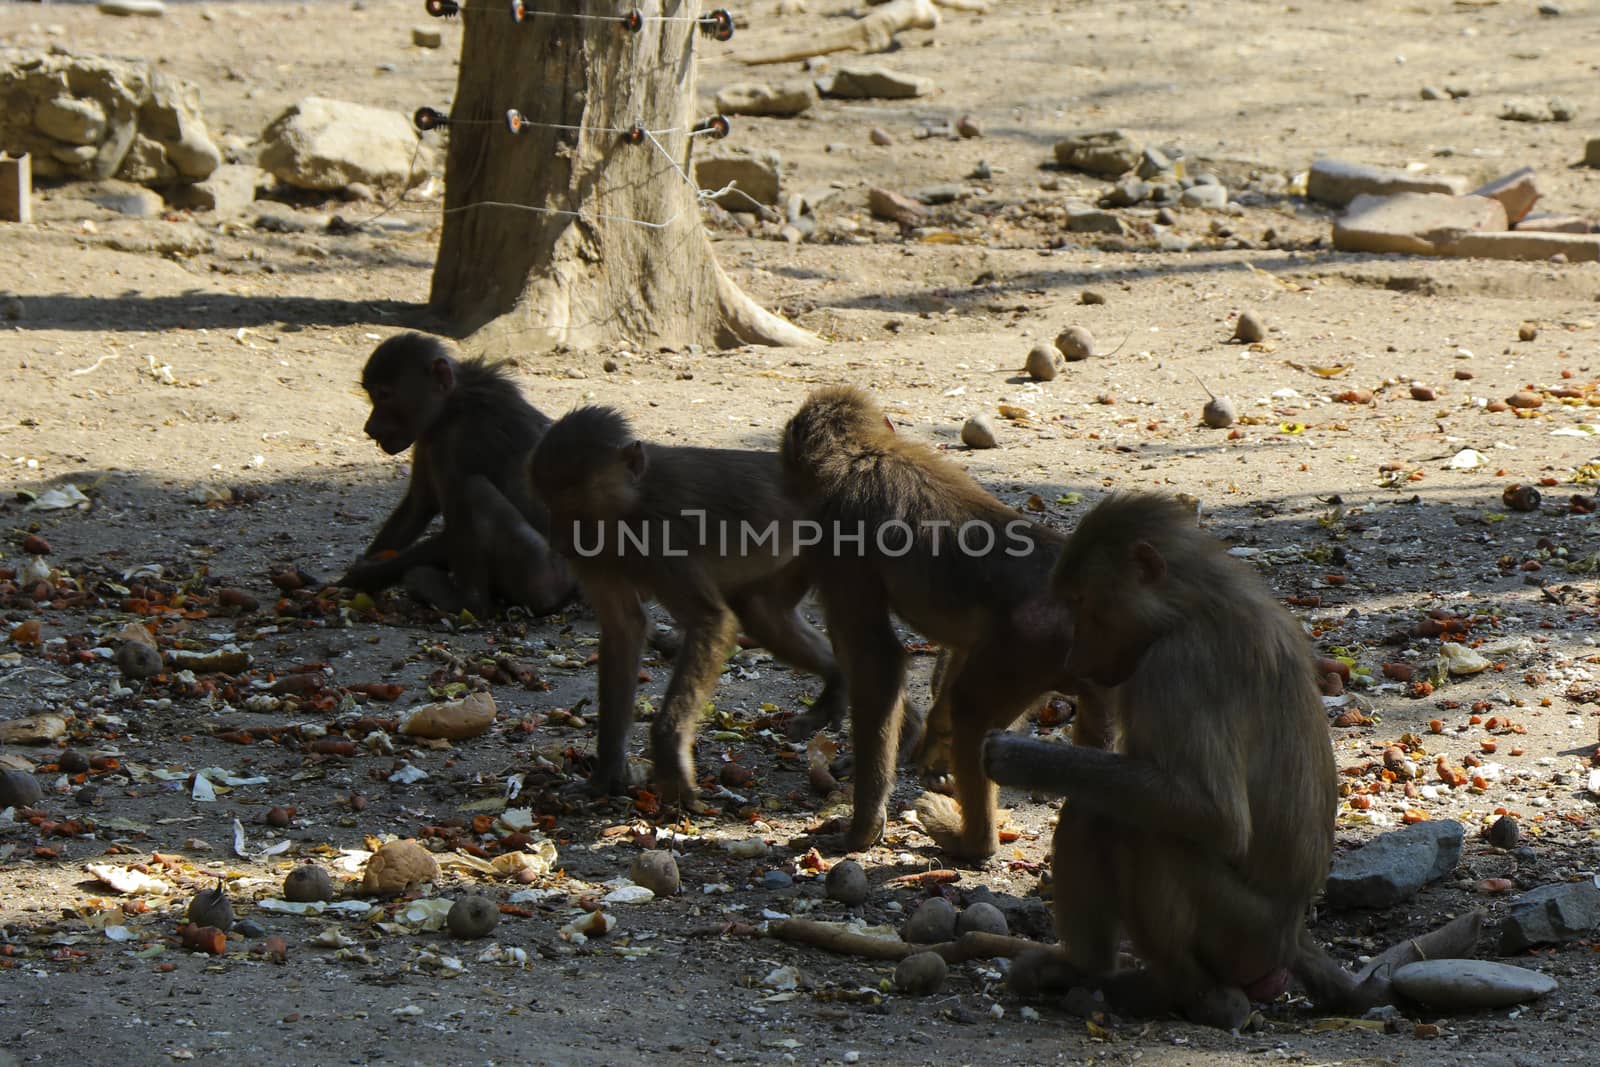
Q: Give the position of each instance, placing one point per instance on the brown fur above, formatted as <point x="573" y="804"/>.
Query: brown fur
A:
<point x="990" y="610"/>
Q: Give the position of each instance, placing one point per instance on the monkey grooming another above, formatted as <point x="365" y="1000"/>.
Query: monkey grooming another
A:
<point x="1208" y="830"/>
<point x="908" y="533"/>
<point x="706" y="532"/>
<point x="471" y="433"/>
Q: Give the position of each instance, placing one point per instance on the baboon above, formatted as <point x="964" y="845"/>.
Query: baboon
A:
<point x="706" y="532"/>
<point x="1208" y="830"/>
<point x="906" y="532"/>
<point x="471" y="433"/>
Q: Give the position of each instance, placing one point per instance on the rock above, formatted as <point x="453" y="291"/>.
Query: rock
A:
<point x="1081" y="218"/>
<point x="1108" y="153"/>
<point x="657" y="871"/>
<point x="1250" y="329"/>
<point x="146" y="163"/>
<point x="934" y="921"/>
<point x="1213" y="197"/>
<point x="978" y="432"/>
<point x="1128" y="192"/>
<point x="1526" y="245"/>
<point x="1516" y="192"/>
<point x="306" y="883"/>
<point x="872" y="83"/>
<point x="943" y="193"/>
<point x="921" y="973"/>
<point x="1551" y="914"/>
<point x="1075" y="343"/>
<point x="171" y="117"/>
<point x="19" y="789"/>
<point x="472" y="916"/>
<point x="397" y="866"/>
<point x="1393" y="866"/>
<point x="1414" y="223"/>
<point x="847" y="883"/>
<point x="1219" y="413"/>
<point x="451" y="720"/>
<point x="880" y="137"/>
<point x="982" y="917"/>
<point x="891" y="206"/>
<point x="1154" y="163"/>
<point x="1091" y="296"/>
<point x="1337" y="183"/>
<point x="1555" y="224"/>
<point x="1468" y="985"/>
<point x="137" y="660"/>
<point x="782" y="101"/>
<point x="70" y="119"/>
<point x="1520" y="498"/>
<point x="1041" y="363"/>
<point x="1591" y="152"/>
<point x="777" y="879"/>
<point x="147" y="8"/>
<point x="1433" y="92"/>
<point x="756" y="177"/>
<point x="229" y="191"/>
<point x="427" y="37"/>
<point x="1527" y="110"/>
<point x="1526" y="332"/>
<point x="968" y="127"/>
<point x="324" y="145"/>
<point x="134" y="201"/>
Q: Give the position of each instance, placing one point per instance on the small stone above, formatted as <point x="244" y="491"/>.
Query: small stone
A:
<point x="71" y="761"/>
<point x="920" y="974"/>
<point x="472" y="916"/>
<point x="1551" y="914"/>
<point x="1167" y="217"/>
<point x="847" y="883"/>
<point x="1041" y="364"/>
<point x="1153" y="163"/>
<point x="1520" y="498"/>
<point x="978" y="432"/>
<point x="19" y="789"/>
<point x="1422" y="392"/>
<point x="211" y="907"/>
<point x="943" y="193"/>
<point x="147" y="8"/>
<point x="872" y="83"/>
<point x="135" y="201"/>
<point x="934" y="921"/>
<point x="1430" y="92"/>
<point x="777" y="879"/>
<point x="1464" y="375"/>
<point x="880" y="136"/>
<point x="427" y="37"/>
<point x="756" y="177"/>
<point x="890" y="206"/>
<point x="1075" y="343"/>
<point x="1249" y="329"/>
<point x="1549" y="10"/>
<point x="1517" y="193"/>
<point x="1527" y="332"/>
<point x="1108" y="153"/>
<point x="1470" y="984"/>
<point x="1525" y="400"/>
<point x="1091" y="296"/>
<point x="1219" y="413"/>
<point x="306" y="883"/>
<point x="138" y="660"/>
<point x="1211" y="197"/>
<point x="249" y="928"/>
<point x="1081" y="218"/>
<point x="1504" y="833"/>
<point x="982" y="917"/>
<point x="1562" y="109"/>
<point x="776" y="101"/>
<point x="982" y="172"/>
<point x="657" y="871"/>
<point x="968" y="127"/>
<point x="1128" y="192"/>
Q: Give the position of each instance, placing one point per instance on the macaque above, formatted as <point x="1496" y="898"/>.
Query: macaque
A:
<point x="1205" y="832"/>
<point x="471" y="433"/>
<point x="907" y="533"/>
<point x="707" y="533"/>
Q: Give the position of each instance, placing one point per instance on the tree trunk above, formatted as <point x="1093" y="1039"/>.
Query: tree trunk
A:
<point x="566" y="232"/>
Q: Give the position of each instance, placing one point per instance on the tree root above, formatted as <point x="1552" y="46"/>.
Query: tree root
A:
<point x="973" y="945"/>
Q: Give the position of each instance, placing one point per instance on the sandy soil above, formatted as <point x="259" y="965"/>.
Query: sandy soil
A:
<point x="196" y="380"/>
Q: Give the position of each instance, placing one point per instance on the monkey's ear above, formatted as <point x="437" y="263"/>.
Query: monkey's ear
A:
<point x="444" y="374"/>
<point x="633" y="458"/>
<point x="1152" y="567"/>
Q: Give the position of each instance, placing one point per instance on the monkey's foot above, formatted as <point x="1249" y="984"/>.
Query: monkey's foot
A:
<point x="1225" y="1007"/>
<point x="817" y="717"/>
<point x="676" y="789"/>
<point x="866" y="830"/>
<point x="1041" y="971"/>
<point x="941" y="820"/>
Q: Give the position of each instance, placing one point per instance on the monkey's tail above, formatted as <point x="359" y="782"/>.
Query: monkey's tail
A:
<point x="1025" y="762"/>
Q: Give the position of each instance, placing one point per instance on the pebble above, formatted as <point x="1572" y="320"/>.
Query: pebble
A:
<point x="777" y="879"/>
<point x="1525" y="399"/>
<point x="147" y="8"/>
<point x="1041" y="364"/>
<point x="71" y="761"/>
<point x="1520" y="498"/>
<point x="427" y="37"/>
<point x="1167" y="217"/>
<point x="657" y="871"/>
<point x="1205" y="196"/>
<point x="1504" y="833"/>
<point x="880" y="136"/>
<point x="1527" y="332"/>
<point x="933" y="921"/>
<point x="967" y="126"/>
<point x="921" y="974"/>
<point x="1422" y="392"/>
<point x="978" y="432"/>
<point x="1219" y="413"/>
<point x="1128" y="192"/>
<point x="19" y="789"/>
<point x="1091" y="296"/>
<point x="1470" y="984"/>
<point x="1433" y="92"/>
<point x="982" y="917"/>
<point x="138" y="660"/>
<point x="847" y="883"/>
<point x="1250" y="329"/>
<point x="1075" y="343"/>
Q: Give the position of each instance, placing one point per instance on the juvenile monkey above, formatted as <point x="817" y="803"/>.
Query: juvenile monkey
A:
<point x="706" y="532"/>
<point x="471" y="433"/>
<point x="1208" y="830"/>
<point x="906" y="532"/>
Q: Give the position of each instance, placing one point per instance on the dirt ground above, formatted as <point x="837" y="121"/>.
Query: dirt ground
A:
<point x="196" y="380"/>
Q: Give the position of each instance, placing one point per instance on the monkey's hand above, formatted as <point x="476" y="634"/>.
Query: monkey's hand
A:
<point x="366" y="574"/>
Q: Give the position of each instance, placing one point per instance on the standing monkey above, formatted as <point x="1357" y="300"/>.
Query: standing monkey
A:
<point x="709" y="534"/>
<point x="908" y="533"/>
<point x="471" y="433"/>
<point x="1209" y="829"/>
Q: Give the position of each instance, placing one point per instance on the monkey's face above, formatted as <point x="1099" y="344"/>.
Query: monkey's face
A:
<point x="399" y="416"/>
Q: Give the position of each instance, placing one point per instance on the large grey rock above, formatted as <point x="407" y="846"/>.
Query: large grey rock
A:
<point x="146" y="163"/>
<point x="783" y="101"/>
<point x="229" y="190"/>
<point x="171" y="118"/>
<point x="1457" y="985"/>
<point x="1108" y="153"/>
<point x="1337" y="182"/>
<point x="1414" y="223"/>
<point x="1392" y="867"/>
<point x="872" y="83"/>
<point x="325" y="145"/>
<point x="756" y="177"/>
<point x="1081" y="218"/>
<point x="1551" y="915"/>
<point x="1214" y="197"/>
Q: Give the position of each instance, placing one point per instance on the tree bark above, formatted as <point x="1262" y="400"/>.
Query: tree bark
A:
<point x="567" y="233"/>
